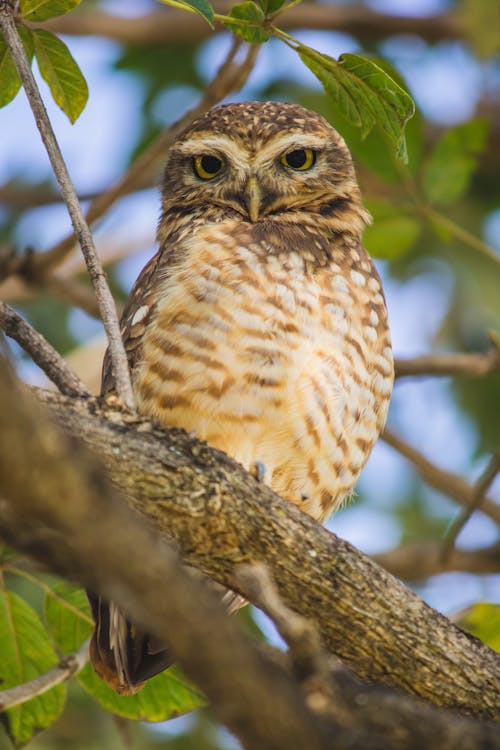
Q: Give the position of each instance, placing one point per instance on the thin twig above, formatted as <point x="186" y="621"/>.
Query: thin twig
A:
<point x="449" y="364"/>
<point x="230" y="77"/>
<point x="82" y="231"/>
<point x="41" y="352"/>
<point x="446" y="482"/>
<point x="67" y="668"/>
<point x="302" y="636"/>
<point x="436" y="218"/>
<point x="479" y="491"/>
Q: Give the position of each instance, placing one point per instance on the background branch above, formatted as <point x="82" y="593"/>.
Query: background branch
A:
<point x="167" y="25"/>
<point x="103" y="294"/>
<point x="478" y="493"/>
<point x="41" y="352"/>
<point x="444" y="481"/>
<point x="416" y="561"/>
<point x="449" y="364"/>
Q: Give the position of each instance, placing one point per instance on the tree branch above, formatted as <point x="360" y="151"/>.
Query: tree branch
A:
<point x="172" y="26"/>
<point x="82" y="231"/>
<point x="68" y="667"/>
<point x="417" y="561"/>
<point x="449" y="364"/>
<point x="478" y="493"/>
<point x="446" y="482"/>
<point x="255" y="697"/>
<point x="41" y="352"/>
<point x="221" y="517"/>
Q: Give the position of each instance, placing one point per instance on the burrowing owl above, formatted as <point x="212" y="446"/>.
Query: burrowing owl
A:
<point x="260" y="324"/>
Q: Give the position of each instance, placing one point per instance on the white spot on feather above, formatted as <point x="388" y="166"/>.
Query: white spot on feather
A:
<point x="139" y="314"/>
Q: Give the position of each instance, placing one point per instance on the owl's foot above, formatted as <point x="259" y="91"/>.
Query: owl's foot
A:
<point x="258" y="470"/>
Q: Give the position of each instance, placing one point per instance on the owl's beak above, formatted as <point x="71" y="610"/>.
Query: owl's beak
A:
<point x="253" y="197"/>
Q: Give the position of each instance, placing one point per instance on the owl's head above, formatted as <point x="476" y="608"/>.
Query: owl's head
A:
<point x="261" y="160"/>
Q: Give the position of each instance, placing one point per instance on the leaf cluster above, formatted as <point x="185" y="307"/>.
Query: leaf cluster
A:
<point x="56" y="63"/>
<point x="31" y="644"/>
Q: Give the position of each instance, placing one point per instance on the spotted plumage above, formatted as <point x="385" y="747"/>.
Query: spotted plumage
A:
<point x="260" y="324"/>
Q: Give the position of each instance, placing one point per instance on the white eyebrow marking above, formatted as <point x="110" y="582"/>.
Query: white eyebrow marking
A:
<point x="220" y="143"/>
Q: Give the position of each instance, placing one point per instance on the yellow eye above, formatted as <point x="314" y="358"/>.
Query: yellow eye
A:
<point x="301" y="159"/>
<point x="206" y="167"/>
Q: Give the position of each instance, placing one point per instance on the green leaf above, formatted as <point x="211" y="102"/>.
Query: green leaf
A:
<point x="248" y="11"/>
<point x="61" y="72"/>
<point x="10" y="81"/>
<point x="448" y="173"/>
<point x="169" y="694"/>
<point x="392" y="233"/>
<point x="201" y="7"/>
<point x="68" y="617"/>
<point x="364" y="93"/>
<point x="271" y="6"/>
<point x="42" y="10"/>
<point x="25" y="653"/>
<point x="483" y="621"/>
<point x="163" y="697"/>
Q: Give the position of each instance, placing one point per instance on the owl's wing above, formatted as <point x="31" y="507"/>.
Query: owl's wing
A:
<point x="135" y="317"/>
<point x="122" y="654"/>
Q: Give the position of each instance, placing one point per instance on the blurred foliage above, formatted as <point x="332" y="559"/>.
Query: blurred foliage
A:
<point x="483" y="621"/>
<point x="429" y="212"/>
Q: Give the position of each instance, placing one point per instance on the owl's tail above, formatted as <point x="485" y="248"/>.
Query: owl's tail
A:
<point x="121" y="654"/>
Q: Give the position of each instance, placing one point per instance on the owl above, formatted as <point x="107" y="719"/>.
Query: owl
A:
<point x="260" y="325"/>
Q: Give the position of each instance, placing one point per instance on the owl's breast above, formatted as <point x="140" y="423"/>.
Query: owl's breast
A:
<point x="271" y="361"/>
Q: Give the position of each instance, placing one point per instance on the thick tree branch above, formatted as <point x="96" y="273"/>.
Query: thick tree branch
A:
<point x="255" y="697"/>
<point x="41" y="352"/>
<point x="103" y="294"/>
<point x="220" y="517"/>
<point x="68" y="667"/>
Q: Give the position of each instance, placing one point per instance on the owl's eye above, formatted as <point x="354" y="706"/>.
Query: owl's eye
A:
<point x="206" y="167"/>
<point x="301" y="159"/>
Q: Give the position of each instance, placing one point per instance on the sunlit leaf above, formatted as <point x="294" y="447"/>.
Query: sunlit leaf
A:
<point x="163" y="697"/>
<point x="201" y="7"/>
<point x="392" y="233"/>
<point x="68" y="617"/>
<point x="448" y="173"/>
<point x="483" y="621"/>
<point x="10" y="83"/>
<point x="61" y="72"/>
<point x="253" y="13"/>
<point x="364" y="93"/>
<point x="41" y="10"/>
<point x="25" y="653"/>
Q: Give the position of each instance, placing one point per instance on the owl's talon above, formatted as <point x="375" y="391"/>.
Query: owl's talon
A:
<point x="258" y="470"/>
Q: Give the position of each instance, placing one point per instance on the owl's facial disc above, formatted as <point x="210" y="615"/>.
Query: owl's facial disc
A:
<point x="258" y="177"/>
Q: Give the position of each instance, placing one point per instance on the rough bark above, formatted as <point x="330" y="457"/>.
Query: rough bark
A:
<point x="221" y="517"/>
